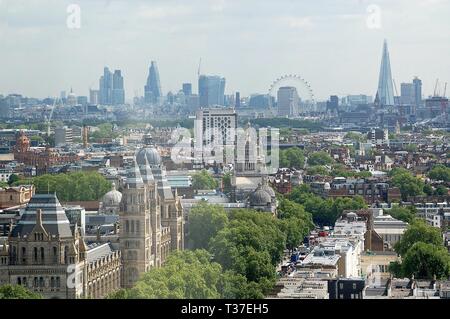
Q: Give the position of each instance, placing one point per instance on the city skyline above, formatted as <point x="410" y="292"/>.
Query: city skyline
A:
<point x="128" y="37"/>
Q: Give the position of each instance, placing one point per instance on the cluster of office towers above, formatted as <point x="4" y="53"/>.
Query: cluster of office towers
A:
<point x="211" y="89"/>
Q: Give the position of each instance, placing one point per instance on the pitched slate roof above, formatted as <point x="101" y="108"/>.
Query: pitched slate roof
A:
<point x="54" y="219"/>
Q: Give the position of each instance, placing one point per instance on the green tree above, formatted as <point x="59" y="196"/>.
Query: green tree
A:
<point x="80" y="186"/>
<point x="226" y="182"/>
<point x="17" y="292"/>
<point x="320" y="158"/>
<point x="418" y="231"/>
<point x="441" y="190"/>
<point x="407" y="183"/>
<point x="203" y="180"/>
<point x="406" y="214"/>
<point x="440" y="172"/>
<point x="292" y="157"/>
<point x="205" y="221"/>
<point x="355" y="137"/>
<point x="428" y="189"/>
<point x="185" y="275"/>
<point x="424" y="261"/>
<point x="13" y="178"/>
<point x="318" y="170"/>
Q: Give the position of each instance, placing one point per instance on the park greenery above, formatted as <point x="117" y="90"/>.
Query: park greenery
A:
<point x="320" y="158"/>
<point x="440" y="173"/>
<point x="17" y="292"/>
<point x="105" y="130"/>
<point x="292" y="157"/>
<point x="408" y="184"/>
<point x="423" y="254"/>
<point x="324" y="211"/>
<point x="203" y="180"/>
<point x="79" y="186"/>
<point x="406" y="214"/>
<point x="233" y="254"/>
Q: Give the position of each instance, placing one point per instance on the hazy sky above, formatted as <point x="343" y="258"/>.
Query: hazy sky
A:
<point x="250" y="42"/>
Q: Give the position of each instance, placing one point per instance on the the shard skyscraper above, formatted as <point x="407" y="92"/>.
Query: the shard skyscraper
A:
<point x="152" y="90"/>
<point x="385" y="93"/>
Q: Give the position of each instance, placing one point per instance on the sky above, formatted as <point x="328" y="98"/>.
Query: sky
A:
<point x="335" y="45"/>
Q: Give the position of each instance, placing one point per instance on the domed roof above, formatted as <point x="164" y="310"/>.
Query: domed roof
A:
<point x="150" y="153"/>
<point x="260" y="197"/>
<point x="113" y="197"/>
<point x="269" y="190"/>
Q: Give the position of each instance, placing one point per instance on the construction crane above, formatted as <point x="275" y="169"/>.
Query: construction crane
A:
<point x="199" y="67"/>
<point x="444" y="103"/>
<point x="396" y="91"/>
<point x="435" y="88"/>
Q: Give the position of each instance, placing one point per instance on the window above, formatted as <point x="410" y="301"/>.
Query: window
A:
<point x="55" y="254"/>
<point x="341" y="285"/>
<point x="354" y="286"/>
<point x="58" y="283"/>
<point x="24" y="255"/>
<point x="35" y="250"/>
<point x="42" y="255"/>
<point x="41" y="282"/>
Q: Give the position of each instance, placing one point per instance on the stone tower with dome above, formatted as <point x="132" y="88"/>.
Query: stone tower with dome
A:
<point x="151" y="217"/>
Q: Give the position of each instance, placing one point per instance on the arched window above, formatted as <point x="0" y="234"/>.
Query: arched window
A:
<point x="41" y="282"/>
<point x="42" y="255"/>
<point x="55" y="254"/>
<point x="35" y="255"/>
<point x="58" y="282"/>
<point x="19" y="281"/>
<point x="52" y="282"/>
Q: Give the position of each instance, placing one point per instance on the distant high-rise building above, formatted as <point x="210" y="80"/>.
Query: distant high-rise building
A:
<point x="215" y="135"/>
<point x="152" y="89"/>
<point x="261" y="101"/>
<point x="417" y="83"/>
<point x="63" y="136"/>
<point x="82" y="100"/>
<point x="238" y="100"/>
<point x="118" y="92"/>
<point x="111" y="88"/>
<point x="385" y="93"/>
<point x="356" y="100"/>
<point x="62" y="95"/>
<point x="287" y="101"/>
<point x="211" y="90"/>
<point x="407" y="96"/>
<point x="333" y="104"/>
<point x="105" y="88"/>
<point x="94" y="97"/>
<point x="187" y="89"/>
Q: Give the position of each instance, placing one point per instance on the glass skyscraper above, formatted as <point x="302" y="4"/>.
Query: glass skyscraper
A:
<point x="385" y="93"/>
<point x="152" y="89"/>
<point x="211" y="90"/>
<point x="111" y="88"/>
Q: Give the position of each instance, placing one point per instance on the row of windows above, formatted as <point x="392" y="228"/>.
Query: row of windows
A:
<point x="39" y="282"/>
<point x="38" y="254"/>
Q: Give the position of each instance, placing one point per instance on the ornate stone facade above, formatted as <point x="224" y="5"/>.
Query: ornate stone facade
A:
<point x="48" y="256"/>
<point x="151" y="217"/>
